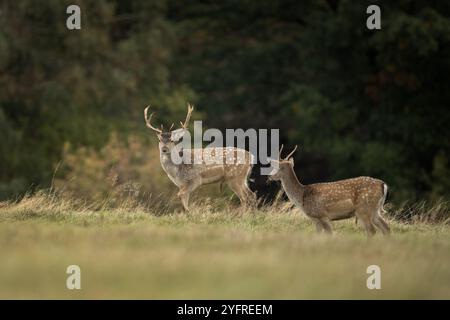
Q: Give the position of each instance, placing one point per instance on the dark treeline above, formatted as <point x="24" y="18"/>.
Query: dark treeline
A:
<point x="357" y="101"/>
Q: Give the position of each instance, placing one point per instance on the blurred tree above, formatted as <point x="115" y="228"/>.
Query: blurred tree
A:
<point x="381" y="95"/>
<point x="357" y="101"/>
<point x="62" y="86"/>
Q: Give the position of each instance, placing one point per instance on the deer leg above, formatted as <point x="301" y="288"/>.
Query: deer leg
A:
<point x="184" y="197"/>
<point x="251" y="196"/>
<point x="236" y="187"/>
<point x="326" y="225"/>
<point x="377" y="220"/>
<point x="367" y="222"/>
<point x="318" y="224"/>
<point x="381" y="224"/>
<point x="185" y="192"/>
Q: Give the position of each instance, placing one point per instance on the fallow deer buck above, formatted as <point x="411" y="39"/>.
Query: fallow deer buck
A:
<point x="362" y="197"/>
<point x="229" y="165"/>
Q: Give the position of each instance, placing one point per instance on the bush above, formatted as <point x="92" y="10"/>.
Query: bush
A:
<point x="120" y="171"/>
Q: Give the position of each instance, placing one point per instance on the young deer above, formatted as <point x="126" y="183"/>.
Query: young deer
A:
<point x="362" y="197"/>
<point x="231" y="166"/>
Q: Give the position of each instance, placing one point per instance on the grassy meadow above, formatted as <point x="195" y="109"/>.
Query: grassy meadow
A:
<point x="218" y="251"/>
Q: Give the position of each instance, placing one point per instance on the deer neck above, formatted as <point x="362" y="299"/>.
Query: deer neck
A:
<point x="173" y="170"/>
<point x="167" y="162"/>
<point x="293" y="188"/>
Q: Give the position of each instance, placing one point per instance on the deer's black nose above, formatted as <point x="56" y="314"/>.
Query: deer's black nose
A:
<point x="164" y="149"/>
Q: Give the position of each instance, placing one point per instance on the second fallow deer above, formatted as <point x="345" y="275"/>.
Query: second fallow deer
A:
<point x="362" y="197"/>
<point x="229" y="165"/>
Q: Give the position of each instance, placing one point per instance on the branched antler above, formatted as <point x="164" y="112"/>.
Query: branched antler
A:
<point x="148" y="119"/>
<point x="188" y="117"/>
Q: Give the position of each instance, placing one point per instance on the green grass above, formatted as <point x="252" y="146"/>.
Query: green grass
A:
<point x="217" y="251"/>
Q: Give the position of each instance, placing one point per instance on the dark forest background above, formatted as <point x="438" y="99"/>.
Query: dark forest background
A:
<point x="357" y="101"/>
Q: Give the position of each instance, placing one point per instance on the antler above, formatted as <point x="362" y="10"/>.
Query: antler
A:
<point x="188" y="116"/>
<point x="148" y="119"/>
<point x="290" y="154"/>
<point x="279" y="153"/>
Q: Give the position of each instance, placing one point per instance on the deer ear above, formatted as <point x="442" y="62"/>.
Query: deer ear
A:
<point x="177" y="135"/>
<point x="291" y="161"/>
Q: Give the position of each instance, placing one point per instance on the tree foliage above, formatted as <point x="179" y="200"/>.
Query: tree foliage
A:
<point x="357" y="101"/>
